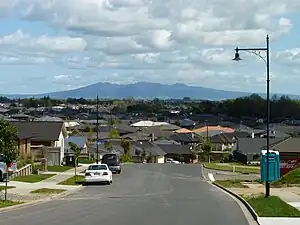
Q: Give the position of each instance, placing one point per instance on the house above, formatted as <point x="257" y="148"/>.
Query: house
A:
<point x="44" y="134"/>
<point x="248" y="149"/>
<point x="80" y="141"/>
<point x="177" y="151"/>
<point x="152" y="150"/>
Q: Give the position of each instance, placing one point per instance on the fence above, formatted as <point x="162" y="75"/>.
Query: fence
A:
<point x="24" y="171"/>
<point x="52" y="154"/>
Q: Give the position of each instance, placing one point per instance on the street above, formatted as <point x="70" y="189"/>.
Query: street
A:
<point x="144" y="194"/>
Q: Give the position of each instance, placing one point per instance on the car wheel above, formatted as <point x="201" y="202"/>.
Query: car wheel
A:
<point x="1" y="177"/>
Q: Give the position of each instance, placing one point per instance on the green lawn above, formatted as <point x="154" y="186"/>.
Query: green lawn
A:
<point x="229" y="167"/>
<point x="292" y="177"/>
<point x="8" y="203"/>
<point x="47" y="191"/>
<point x="71" y="180"/>
<point x="8" y="187"/>
<point x="272" y="207"/>
<point x="55" y="168"/>
<point x="33" y="178"/>
<point x="231" y="183"/>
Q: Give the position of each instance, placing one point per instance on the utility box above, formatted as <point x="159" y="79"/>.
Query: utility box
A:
<point x="274" y="165"/>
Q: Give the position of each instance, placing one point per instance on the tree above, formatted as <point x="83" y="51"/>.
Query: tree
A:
<point x="126" y="147"/>
<point x="113" y="134"/>
<point x="77" y="151"/>
<point x="8" y="146"/>
<point x="207" y="148"/>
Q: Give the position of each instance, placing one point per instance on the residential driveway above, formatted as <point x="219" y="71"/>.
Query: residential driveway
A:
<point x="145" y="194"/>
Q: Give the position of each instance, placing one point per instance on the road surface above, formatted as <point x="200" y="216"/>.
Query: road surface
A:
<point x="143" y="194"/>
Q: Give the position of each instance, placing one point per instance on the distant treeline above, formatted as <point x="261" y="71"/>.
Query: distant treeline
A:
<point x="250" y="106"/>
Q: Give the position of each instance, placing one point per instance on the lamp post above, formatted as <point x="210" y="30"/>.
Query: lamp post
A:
<point x="266" y="59"/>
<point x="97" y="130"/>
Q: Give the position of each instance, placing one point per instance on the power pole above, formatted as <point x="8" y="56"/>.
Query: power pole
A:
<point x="97" y="130"/>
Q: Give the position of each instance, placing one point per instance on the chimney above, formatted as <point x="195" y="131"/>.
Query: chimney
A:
<point x="153" y="137"/>
<point x="252" y="134"/>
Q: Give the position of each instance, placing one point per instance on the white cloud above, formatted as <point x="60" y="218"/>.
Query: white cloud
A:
<point x="159" y="40"/>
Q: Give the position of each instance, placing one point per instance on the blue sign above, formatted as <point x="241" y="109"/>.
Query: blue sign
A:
<point x="99" y="142"/>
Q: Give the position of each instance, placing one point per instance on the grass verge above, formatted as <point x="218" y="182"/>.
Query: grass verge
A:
<point x="72" y="181"/>
<point x="2" y="188"/>
<point x="231" y="183"/>
<point x="8" y="203"/>
<point x="272" y="206"/>
<point x="229" y="167"/>
<point x="47" y="191"/>
<point x="33" y="178"/>
<point x="289" y="179"/>
<point x="55" y="168"/>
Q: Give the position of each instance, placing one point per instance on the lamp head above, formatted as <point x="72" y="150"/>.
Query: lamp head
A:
<point x="237" y="55"/>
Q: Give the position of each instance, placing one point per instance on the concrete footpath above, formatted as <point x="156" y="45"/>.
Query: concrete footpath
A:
<point x="290" y="195"/>
<point x="22" y="190"/>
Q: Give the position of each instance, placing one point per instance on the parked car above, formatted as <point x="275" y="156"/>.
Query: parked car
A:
<point x="170" y="160"/>
<point x="10" y="168"/>
<point x="113" y="161"/>
<point x="98" y="173"/>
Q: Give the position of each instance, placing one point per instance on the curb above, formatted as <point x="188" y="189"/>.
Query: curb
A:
<point x="40" y="201"/>
<point x="246" y="204"/>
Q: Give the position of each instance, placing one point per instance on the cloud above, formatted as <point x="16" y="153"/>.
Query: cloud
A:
<point x="160" y="40"/>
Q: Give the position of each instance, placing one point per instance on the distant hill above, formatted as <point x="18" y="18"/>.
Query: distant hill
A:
<point x="142" y="90"/>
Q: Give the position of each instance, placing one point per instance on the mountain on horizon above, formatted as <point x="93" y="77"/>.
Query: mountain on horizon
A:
<point x="142" y="90"/>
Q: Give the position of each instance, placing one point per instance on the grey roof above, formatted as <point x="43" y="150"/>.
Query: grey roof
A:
<point x="288" y="145"/>
<point x="176" y="149"/>
<point x="41" y="131"/>
<point x="185" y="137"/>
<point x="254" y="145"/>
<point x="166" y="142"/>
<point x="49" y="118"/>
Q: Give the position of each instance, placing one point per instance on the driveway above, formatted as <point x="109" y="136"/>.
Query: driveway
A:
<point x="143" y="194"/>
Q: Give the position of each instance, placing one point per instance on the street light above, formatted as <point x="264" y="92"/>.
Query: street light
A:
<point x="266" y="59"/>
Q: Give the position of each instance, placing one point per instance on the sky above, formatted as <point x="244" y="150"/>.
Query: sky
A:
<point x="54" y="45"/>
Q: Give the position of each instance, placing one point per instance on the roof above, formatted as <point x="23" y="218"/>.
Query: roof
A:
<point x="255" y="145"/>
<point x="189" y="137"/>
<point x="148" y="123"/>
<point x="213" y="128"/>
<point x="288" y="145"/>
<point x="39" y="130"/>
<point x="183" y="130"/>
<point x="149" y="147"/>
<point x="176" y="149"/>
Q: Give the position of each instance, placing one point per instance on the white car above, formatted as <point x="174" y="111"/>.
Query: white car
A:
<point x="170" y="160"/>
<point x="98" y="173"/>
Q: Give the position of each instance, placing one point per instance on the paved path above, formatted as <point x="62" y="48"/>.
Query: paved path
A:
<point x="142" y="194"/>
<point x="22" y="189"/>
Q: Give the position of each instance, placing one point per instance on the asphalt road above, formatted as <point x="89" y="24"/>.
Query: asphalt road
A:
<point x="145" y="194"/>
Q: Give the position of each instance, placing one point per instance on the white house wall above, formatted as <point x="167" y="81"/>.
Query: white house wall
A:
<point x="60" y="144"/>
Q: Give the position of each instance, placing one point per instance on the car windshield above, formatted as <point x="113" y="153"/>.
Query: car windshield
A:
<point x="97" y="167"/>
<point x="109" y="157"/>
